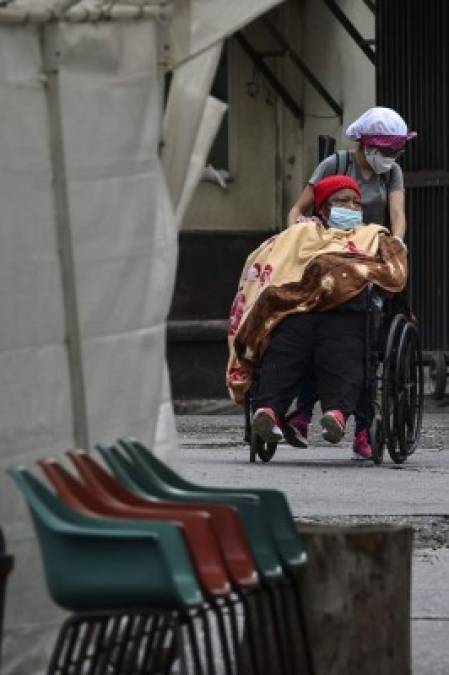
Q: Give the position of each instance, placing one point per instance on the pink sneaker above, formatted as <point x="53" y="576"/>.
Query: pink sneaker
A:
<point x="296" y="430"/>
<point x="266" y="425"/>
<point x="362" y="445"/>
<point x="333" y="426"/>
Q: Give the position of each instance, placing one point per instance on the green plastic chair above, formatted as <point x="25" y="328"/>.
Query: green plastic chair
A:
<point x="96" y="563"/>
<point x="274" y="504"/>
<point x="143" y="482"/>
<point x="139" y="479"/>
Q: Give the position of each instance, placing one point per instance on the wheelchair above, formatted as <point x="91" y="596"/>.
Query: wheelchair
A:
<point x="394" y="381"/>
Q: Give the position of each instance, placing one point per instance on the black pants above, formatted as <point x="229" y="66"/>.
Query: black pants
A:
<point x="307" y="397"/>
<point x="332" y="343"/>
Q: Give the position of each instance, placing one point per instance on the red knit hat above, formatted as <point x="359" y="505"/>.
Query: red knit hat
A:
<point x="327" y="186"/>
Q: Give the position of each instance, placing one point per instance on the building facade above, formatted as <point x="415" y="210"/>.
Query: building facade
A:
<point x="269" y="147"/>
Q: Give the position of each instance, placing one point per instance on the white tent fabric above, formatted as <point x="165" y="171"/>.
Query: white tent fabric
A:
<point x="124" y="243"/>
<point x="209" y="126"/>
<point x="13" y="12"/>
<point x="199" y="24"/>
<point x="189" y="89"/>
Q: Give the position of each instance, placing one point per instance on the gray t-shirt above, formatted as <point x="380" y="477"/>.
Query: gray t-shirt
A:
<point x="375" y="190"/>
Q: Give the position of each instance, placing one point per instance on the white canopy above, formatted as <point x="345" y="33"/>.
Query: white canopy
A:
<point x="88" y="245"/>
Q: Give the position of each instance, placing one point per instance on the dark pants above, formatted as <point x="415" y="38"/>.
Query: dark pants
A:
<point x="307" y="397"/>
<point x="331" y="343"/>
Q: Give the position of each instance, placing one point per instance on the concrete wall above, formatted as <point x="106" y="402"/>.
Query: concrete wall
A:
<point x="272" y="154"/>
<point x="249" y="201"/>
<point x="341" y="67"/>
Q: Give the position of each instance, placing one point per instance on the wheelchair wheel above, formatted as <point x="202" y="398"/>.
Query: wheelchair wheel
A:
<point x="388" y="383"/>
<point x="377" y="439"/>
<point x="259" y="448"/>
<point x="409" y="393"/>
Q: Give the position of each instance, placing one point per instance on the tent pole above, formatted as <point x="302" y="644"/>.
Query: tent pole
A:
<point x="61" y="209"/>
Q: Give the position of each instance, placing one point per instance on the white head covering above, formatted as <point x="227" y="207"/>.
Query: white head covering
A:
<point x="379" y="122"/>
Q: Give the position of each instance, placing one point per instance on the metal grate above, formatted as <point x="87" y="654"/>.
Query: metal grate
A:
<point x="411" y="74"/>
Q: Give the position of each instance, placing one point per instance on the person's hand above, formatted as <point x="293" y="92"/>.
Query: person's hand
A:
<point x="395" y="236"/>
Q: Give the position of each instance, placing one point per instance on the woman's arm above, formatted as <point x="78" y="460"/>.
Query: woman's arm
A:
<point x="303" y="204"/>
<point x="397" y="213"/>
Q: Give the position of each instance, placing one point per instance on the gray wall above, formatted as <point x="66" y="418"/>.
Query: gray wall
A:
<point x="271" y="153"/>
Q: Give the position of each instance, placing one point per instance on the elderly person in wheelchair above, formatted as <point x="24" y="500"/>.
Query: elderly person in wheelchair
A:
<point x="301" y="305"/>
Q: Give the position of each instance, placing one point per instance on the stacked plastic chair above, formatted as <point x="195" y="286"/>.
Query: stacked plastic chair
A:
<point x="164" y="576"/>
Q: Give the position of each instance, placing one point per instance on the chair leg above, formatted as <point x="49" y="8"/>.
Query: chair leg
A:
<point x="63" y="648"/>
<point x="190" y="623"/>
<point x="109" y="644"/>
<point x="274" y="620"/>
<point x="85" y="643"/>
<point x="131" y="643"/>
<point x="219" y="615"/>
<point x="124" y="632"/>
<point x="99" y="648"/>
<point x="250" y="630"/>
<point x="155" y="621"/>
<point x="268" y="629"/>
<point x="209" y="653"/>
<point x="288" y="628"/>
<point x="171" y="653"/>
<point x="231" y="604"/>
<point x="158" y="648"/>
<point x="181" y="630"/>
<point x="303" y="625"/>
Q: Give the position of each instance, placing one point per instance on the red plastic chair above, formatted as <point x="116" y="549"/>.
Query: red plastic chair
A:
<point x="232" y="538"/>
<point x="200" y="535"/>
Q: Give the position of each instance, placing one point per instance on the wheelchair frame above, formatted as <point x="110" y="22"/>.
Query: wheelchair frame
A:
<point x="394" y="379"/>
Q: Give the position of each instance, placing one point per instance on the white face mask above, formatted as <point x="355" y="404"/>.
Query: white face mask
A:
<point x="344" y="219"/>
<point x="377" y="161"/>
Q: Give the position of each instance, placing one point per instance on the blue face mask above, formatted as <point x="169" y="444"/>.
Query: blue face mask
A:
<point x="344" y="219"/>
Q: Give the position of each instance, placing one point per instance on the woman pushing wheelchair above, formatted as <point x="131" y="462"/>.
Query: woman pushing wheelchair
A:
<point x="301" y="305"/>
<point x="381" y="136"/>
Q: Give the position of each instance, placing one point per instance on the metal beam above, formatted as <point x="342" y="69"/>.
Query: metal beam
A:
<point x="61" y="211"/>
<point x="351" y="29"/>
<point x="371" y="5"/>
<point x="297" y="60"/>
<point x="279" y="88"/>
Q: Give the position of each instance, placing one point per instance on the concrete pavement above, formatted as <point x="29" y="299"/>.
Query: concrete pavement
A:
<point x="323" y="484"/>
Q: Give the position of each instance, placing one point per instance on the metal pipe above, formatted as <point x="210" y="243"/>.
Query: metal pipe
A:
<point x="299" y="63"/>
<point x="371" y="5"/>
<point x="280" y="90"/>
<point x="351" y="29"/>
<point x="61" y="211"/>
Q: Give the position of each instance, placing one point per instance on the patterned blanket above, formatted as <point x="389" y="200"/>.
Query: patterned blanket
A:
<point x="306" y="268"/>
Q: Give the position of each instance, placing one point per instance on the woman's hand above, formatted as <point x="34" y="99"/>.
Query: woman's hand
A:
<point x="304" y="203"/>
<point x="397" y="214"/>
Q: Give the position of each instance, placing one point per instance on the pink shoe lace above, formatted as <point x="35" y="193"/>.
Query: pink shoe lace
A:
<point x="362" y="444"/>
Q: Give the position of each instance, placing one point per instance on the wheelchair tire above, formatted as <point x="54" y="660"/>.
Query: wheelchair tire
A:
<point x="438" y="375"/>
<point x="258" y="447"/>
<point x="252" y="452"/>
<point x="377" y="440"/>
<point x="388" y="382"/>
<point x="409" y="393"/>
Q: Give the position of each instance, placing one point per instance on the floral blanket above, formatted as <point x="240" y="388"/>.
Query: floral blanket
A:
<point x="306" y="268"/>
